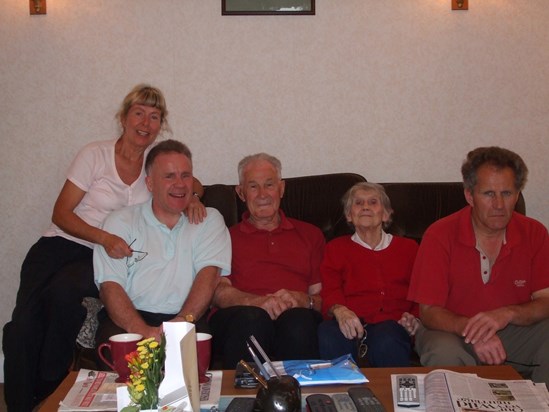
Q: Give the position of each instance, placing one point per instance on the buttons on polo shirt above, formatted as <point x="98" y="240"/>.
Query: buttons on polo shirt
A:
<point x="484" y="268"/>
<point x="271" y="241"/>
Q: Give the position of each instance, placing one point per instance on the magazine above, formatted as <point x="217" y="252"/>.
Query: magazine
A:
<point x="443" y="390"/>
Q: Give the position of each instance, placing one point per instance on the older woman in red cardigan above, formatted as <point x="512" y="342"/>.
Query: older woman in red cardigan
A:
<point x="365" y="280"/>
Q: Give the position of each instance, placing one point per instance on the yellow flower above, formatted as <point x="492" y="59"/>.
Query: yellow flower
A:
<point x="145" y="341"/>
<point x="147" y="371"/>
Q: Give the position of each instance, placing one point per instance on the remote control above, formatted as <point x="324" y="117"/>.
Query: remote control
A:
<point x="320" y="402"/>
<point x="343" y="402"/>
<point x="408" y="392"/>
<point x="241" y="404"/>
<point x="365" y="400"/>
<point x="243" y="378"/>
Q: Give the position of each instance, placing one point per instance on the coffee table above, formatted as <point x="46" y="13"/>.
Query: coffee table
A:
<point x="380" y="383"/>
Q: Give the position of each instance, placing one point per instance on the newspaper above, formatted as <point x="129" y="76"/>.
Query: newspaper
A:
<point x="92" y="391"/>
<point x="443" y="391"/>
<point x="210" y="392"/>
<point x="96" y="391"/>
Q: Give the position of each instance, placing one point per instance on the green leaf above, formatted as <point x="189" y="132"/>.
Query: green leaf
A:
<point x="131" y="408"/>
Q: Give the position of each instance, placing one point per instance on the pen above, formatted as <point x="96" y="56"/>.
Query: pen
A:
<point x="262" y="352"/>
<point x="258" y="362"/>
<point x="322" y="365"/>
<point x="254" y="373"/>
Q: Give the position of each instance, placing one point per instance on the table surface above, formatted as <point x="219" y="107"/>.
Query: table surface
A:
<point x="379" y="383"/>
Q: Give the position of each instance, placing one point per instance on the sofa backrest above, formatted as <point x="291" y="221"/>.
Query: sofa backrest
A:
<point x="314" y="199"/>
<point x="317" y="200"/>
<point x="417" y="205"/>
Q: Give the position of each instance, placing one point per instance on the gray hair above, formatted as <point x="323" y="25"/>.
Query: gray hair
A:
<point x="349" y="197"/>
<point x="256" y="157"/>
<point x="497" y="157"/>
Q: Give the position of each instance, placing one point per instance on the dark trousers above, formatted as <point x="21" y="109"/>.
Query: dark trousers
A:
<point x="108" y="328"/>
<point x="389" y="345"/>
<point x="293" y="335"/>
<point x="38" y="342"/>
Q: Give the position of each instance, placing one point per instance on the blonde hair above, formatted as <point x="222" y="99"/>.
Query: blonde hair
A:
<point x="148" y="96"/>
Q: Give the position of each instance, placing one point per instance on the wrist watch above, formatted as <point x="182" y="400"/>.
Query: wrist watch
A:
<point x="189" y="318"/>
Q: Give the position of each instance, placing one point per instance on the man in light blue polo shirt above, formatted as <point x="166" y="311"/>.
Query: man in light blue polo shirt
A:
<point x="175" y="266"/>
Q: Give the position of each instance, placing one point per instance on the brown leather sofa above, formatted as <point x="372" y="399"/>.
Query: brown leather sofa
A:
<point x="317" y="200"/>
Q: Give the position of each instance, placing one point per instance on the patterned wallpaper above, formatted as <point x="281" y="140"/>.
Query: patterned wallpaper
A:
<point x="394" y="90"/>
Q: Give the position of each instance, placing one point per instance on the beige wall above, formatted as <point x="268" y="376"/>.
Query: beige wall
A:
<point x="395" y="90"/>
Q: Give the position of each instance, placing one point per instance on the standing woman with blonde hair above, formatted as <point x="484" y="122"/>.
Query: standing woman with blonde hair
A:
<point x="57" y="273"/>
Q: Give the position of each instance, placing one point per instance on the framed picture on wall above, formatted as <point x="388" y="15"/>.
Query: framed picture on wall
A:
<point x="270" y="7"/>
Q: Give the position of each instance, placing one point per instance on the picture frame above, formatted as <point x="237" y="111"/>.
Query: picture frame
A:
<point x="267" y="7"/>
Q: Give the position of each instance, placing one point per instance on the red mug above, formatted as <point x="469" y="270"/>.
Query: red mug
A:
<point x="204" y="353"/>
<point x="119" y="346"/>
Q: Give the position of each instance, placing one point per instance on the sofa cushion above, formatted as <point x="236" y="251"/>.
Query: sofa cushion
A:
<point x="86" y="336"/>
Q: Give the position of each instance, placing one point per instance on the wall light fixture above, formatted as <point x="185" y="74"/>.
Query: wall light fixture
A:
<point x="460" y="4"/>
<point x="37" y="7"/>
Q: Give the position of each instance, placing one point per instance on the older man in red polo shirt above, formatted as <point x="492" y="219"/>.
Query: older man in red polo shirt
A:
<point x="273" y="290"/>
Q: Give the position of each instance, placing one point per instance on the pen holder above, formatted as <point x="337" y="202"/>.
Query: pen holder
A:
<point x="281" y="395"/>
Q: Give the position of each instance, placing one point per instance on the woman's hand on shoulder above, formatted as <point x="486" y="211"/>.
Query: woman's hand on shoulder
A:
<point x="195" y="211"/>
<point x="349" y="323"/>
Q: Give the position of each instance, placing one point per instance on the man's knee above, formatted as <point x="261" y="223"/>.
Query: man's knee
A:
<point x="245" y="320"/>
<point x="296" y="334"/>
<point x="298" y="324"/>
<point x="231" y="327"/>
<point x="540" y="372"/>
<point x="252" y="314"/>
<point x="437" y="348"/>
<point x="238" y="323"/>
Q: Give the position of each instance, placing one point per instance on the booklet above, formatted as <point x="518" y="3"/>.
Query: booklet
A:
<point x="320" y="372"/>
<point x="444" y="390"/>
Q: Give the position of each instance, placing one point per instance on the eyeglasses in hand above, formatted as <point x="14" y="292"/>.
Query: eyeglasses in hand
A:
<point x="137" y="256"/>
<point x="362" y="346"/>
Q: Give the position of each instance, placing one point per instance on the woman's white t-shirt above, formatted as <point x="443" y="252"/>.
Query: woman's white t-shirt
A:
<point x="94" y="171"/>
